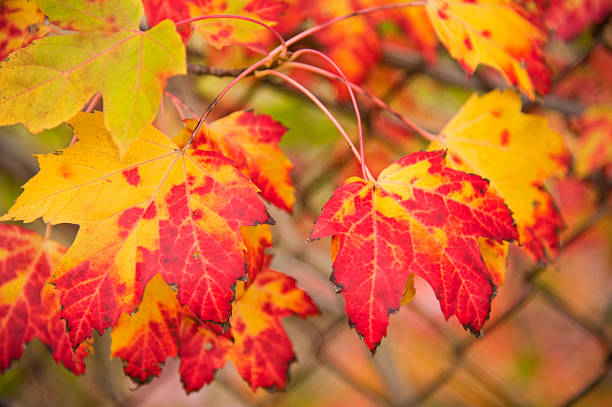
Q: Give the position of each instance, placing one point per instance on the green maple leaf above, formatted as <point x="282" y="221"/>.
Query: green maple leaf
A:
<point x="48" y="82"/>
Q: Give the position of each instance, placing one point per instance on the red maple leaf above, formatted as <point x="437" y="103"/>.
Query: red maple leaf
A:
<point x="419" y="217"/>
<point x="29" y="307"/>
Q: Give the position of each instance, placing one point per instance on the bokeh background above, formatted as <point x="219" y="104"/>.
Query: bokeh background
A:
<point x="548" y="339"/>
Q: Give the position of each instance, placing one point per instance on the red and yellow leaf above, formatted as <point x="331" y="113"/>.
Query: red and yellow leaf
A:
<point x="590" y="83"/>
<point x="50" y="81"/>
<point x="20" y="24"/>
<point x="262" y="350"/>
<point x="516" y="152"/>
<point x="174" y="10"/>
<point x="179" y="214"/>
<point x="257" y="240"/>
<point x="203" y="350"/>
<point x="419" y="217"/>
<point x="593" y="149"/>
<point x="160" y="329"/>
<point x="353" y="44"/>
<point x="493" y="33"/>
<point x="29" y="307"/>
<point x="251" y="140"/>
<point x="223" y="32"/>
<point x="147" y="338"/>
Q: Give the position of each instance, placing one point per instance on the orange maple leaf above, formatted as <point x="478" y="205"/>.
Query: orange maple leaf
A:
<point x="251" y="140"/>
<point x="218" y="32"/>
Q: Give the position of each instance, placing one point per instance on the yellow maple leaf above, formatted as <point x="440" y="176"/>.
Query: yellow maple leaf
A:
<point x="494" y="33"/>
<point x="516" y="152"/>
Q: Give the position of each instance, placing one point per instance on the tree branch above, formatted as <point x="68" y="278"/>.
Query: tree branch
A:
<point x="197" y="69"/>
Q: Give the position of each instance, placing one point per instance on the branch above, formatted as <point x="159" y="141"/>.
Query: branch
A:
<point x="197" y="69"/>
<point x="414" y="62"/>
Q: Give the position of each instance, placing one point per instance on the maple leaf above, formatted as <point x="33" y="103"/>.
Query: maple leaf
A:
<point x="257" y="240"/>
<point x="162" y="328"/>
<point x="419" y="217"/>
<point x="20" y="24"/>
<point x="593" y="149"/>
<point x="51" y="80"/>
<point x="352" y="44"/>
<point x="591" y="82"/>
<point x="262" y="350"/>
<point x="494" y="33"/>
<point x="516" y="152"/>
<point x="414" y="24"/>
<point x="147" y="338"/>
<point x="174" y="10"/>
<point x="203" y="351"/>
<point x="29" y="307"/>
<point x="224" y="32"/>
<point x="251" y="140"/>
<point x="568" y="18"/>
<point x="162" y="209"/>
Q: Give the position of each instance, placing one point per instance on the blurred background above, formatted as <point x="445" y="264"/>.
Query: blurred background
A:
<point x="547" y="342"/>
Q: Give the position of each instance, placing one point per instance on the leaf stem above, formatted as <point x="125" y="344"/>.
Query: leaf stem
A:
<point x="282" y="51"/>
<point x="94" y="101"/>
<point x="226" y="89"/>
<point x="179" y="105"/>
<point x="324" y="109"/>
<point x="342" y="77"/>
<point x="90" y="107"/>
<point x="163" y="116"/>
<point x="48" y="228"/>
<point x="377" y="101"/>
<point x="236" y="17"/>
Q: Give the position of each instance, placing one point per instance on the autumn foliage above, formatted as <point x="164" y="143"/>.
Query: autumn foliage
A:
<point x="172" y="253"/>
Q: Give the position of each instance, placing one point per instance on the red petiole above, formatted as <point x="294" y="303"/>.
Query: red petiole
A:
<point x="281" y="51"/>
<point x="316" y="101"/>
<point x="297" y="54"/>
<point x="377" y="101"/>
